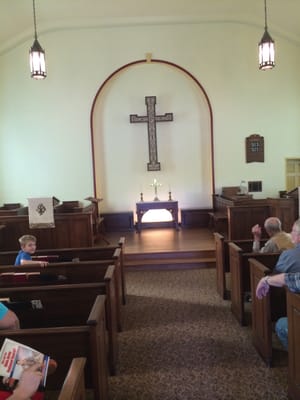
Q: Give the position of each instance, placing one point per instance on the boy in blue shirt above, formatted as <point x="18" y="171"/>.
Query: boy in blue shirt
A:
<point x="28" y="247"/>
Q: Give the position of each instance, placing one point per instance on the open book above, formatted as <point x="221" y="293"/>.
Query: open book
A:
<point x="14" y="359"/>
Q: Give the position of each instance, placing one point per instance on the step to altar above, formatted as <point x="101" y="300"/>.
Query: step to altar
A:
<point x="171" y="260"/>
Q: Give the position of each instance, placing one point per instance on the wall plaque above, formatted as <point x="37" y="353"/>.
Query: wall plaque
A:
<point x="255" y="149"/>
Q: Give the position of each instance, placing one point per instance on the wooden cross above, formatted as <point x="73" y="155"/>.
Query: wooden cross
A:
<point x="151" y="118"/>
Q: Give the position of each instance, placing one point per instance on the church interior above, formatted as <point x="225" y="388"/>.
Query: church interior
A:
<point x="157" y="133"/>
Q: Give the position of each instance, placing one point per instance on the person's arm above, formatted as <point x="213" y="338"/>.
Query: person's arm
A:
<point x="256" y="231"/>
<point x="264" y="284"/>
<point x="269" y="247"/>
<point x="28" y="383"/>
<point x="8" y="319"/>
<point x="284" y="261"/>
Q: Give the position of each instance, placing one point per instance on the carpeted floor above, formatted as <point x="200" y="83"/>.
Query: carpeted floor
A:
<point x="181" y="342"/>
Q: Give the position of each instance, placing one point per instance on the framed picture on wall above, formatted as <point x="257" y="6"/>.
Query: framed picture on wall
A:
<point x="255" y="148"/>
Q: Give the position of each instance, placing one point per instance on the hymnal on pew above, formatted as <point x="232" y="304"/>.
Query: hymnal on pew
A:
<point x="14" y="359"/>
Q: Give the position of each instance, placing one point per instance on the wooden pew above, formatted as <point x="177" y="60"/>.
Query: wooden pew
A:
<point x="113" y="252"/>
<point x="74" y="383"/>
<point x="240" y="276"/>
<point x="265" y="311"/>
<point x="69" y="295"/>
<point x="293" y="313"/>
<point x="85" y="338"/>
<point x="222" y="264"/>
<point x="222" y="260"/>
<point x="104" y="283"/>
<point x="76" y="272"/>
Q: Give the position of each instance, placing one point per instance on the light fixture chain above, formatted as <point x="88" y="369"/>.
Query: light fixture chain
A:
<point x="34" y="19"/>
<point x="266" y="26"/>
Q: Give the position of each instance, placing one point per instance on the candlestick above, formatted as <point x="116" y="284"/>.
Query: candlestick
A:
<point x="170" y="195"/>
<point x="142" y="198"/>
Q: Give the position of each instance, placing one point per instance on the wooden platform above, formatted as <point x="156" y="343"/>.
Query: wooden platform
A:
<point x="168" y="248"/>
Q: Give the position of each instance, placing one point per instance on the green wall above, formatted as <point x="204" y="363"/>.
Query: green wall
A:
<point x="45" y="141"/>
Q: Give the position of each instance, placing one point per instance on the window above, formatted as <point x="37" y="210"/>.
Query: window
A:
<point x="292" y="173"/>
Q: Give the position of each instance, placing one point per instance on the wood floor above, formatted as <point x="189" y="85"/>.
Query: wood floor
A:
<point x="167" y="248"/>
<point x="165" y="240"/>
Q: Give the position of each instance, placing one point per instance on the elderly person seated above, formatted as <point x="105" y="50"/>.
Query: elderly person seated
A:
<point x="279" y="240"/>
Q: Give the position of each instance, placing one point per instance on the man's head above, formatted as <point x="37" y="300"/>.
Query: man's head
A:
<point x="272" y="226"/>
<point x="28" y="243"/>
<point x="296" y="232"/>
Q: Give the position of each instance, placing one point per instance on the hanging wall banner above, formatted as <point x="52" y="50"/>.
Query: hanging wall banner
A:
<point x="40" y="211"/>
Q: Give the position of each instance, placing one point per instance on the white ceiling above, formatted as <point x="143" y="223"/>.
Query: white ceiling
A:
<point x="16" y="16"/>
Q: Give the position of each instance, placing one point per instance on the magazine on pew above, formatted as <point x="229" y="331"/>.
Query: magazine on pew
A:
<point x="16" y="357"/>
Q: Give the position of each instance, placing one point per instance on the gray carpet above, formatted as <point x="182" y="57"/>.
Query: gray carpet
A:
<point x="181" y="342"/>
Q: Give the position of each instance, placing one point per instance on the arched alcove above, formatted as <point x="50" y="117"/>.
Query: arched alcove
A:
<point x="120" y="149"/>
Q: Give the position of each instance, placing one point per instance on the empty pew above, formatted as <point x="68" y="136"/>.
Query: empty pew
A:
<point x="74" y="383"/>
<point x="293" y="313"/>
<point x="75" y="272"/>
<point x="104" y="285"/>
<point x="240" y="276"/>
<point x="222" y="260"/>
<point x="82" y="337"/>
<point x="114" y="253"/>
<point x="265" y="311"/>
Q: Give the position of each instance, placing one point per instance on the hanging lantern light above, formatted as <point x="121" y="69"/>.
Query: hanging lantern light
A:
<point x="266" y="48"/>
<point x="37" y="55"/>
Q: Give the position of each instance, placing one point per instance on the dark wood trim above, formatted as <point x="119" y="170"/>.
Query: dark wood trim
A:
<point x="158" y="61"/>
<point x="118" y="221"/>
<point x="195" y="217"/>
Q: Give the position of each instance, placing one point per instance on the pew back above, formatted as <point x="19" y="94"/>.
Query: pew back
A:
<point x="113" y="253"/>
<point x="240" y="276"/>
<point x="264" y="311"/>
<point x="76" y="272"/>
<point x="293" y="313"/>
<point x="67" y="302"/>
<point x="242" y="218"/>
<point x="222" y="260"/>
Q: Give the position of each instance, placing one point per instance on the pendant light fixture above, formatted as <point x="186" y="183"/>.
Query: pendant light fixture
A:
<point x="37" y="55"/>
<point x="266" y="48"/>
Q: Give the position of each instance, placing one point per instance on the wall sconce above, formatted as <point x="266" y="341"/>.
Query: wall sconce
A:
<point x="266" y="48"/>
<point x="37" y="55"/>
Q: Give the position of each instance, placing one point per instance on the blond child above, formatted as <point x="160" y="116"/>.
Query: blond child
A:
<point x="28" y="248"/>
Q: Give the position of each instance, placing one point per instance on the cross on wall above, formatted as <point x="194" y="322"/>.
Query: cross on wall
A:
<point x="151" y="118"/>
